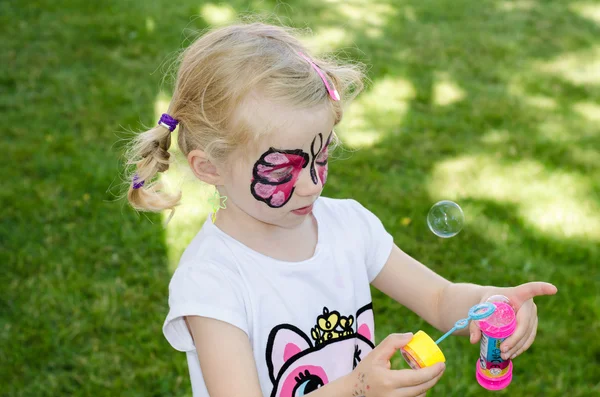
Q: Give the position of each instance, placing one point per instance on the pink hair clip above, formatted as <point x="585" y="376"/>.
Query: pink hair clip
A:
<point x="332" y="91"/>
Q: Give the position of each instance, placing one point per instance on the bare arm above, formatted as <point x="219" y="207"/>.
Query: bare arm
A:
<point x="441" y="303"/>
<point x="225" y="357"/>
<point x="228" y="365"/>
<point x="429" y="295"/>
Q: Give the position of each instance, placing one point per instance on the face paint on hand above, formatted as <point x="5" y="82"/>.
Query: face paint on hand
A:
<point x="320" y="158"/>
<point x="275" y="174"/>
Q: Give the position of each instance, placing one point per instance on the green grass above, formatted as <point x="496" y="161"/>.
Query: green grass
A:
<point x="493" y="104"/>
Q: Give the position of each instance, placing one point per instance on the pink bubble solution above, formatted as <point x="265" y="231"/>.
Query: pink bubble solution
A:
<point x="493" y="372"/>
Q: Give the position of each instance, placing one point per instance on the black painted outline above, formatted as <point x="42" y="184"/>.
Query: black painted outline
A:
<point x="313" y="173"/>
<point x="256" y="178"/>
<point x="310" y="349"/>
<point x="303" y="376"/>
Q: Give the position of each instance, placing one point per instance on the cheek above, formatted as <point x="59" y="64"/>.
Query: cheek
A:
<point x="280" y="197"/>
<point x="264" y="191"/>
<point x="274" y="194"/>
<point x="239" y="192"/>
<point x="322" y="170"/>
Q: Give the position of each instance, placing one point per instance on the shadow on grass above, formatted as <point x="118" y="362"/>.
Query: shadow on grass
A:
<point x="484" y="86"/>
<point x="84" y="282"/>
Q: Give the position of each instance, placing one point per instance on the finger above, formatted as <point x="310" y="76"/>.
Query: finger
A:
<point x="508" y="349"/>
<point x="519" y="346"/>
<point x="388" y="347"/>
<point x="474" y="332"/>
<point x="527" y="343"/>
<point x="524" y="292"/>
<point x="421" y="390"/>
<point x="414" y="377"/>
<point x="526" y="315"/>
<point x="525" y="320"/>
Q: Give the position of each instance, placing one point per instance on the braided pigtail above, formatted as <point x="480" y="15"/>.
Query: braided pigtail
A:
<point x="149" y="152"/>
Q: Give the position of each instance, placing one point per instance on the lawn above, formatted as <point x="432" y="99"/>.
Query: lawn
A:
<point x="492" y="104"/>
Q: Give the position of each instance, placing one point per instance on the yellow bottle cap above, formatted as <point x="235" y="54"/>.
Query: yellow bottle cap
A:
<point x="423" y="350"/>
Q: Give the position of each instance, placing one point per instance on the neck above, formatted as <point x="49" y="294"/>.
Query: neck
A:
<point x="235" y="221"/>
<point x="290" y="244"/>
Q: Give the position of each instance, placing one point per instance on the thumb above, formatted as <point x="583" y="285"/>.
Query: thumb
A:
<point x="474" y="332"/>
<point x="388" y="347"/>
<point x="527" y="291"/>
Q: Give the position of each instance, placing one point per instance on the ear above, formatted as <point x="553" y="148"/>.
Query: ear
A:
<point x="285" y="341"/>
<point x="203" y="168"/>
<point x="365" y="322"/>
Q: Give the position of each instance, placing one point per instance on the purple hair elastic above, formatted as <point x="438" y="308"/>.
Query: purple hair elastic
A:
<point x="136" y="182"/>
<point x="332" y="91"/>
<point x="168" y="122"/>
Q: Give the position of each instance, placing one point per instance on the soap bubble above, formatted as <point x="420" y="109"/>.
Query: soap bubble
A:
<point x="445" y="219"/>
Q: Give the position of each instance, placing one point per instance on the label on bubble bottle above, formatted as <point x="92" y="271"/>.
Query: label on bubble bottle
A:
<point x="490" y="361"/>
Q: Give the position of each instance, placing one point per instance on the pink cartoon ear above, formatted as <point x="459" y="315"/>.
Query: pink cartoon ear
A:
<point x="285" y="342"/>
<point x="365" y="322"/>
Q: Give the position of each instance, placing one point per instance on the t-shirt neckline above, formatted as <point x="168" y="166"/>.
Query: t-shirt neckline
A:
<point x="316" y="213"/>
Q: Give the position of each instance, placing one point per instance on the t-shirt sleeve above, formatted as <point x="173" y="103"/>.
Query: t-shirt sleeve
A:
<point x="378" y="242"/>
<point x="202" y="290"/>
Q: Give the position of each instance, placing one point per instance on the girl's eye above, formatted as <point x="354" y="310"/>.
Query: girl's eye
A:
<point x="322" y="157"/>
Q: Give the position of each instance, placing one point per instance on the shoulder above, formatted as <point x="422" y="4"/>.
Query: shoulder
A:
<point x="206" y="266"/>
<point x="205" y="282"/>
<point x="349" y="217"/>
<point x="340" y="206"/>
<point x="207" y="252"/>
<point x="200" y="276"/>
<point x="344" y="210"/>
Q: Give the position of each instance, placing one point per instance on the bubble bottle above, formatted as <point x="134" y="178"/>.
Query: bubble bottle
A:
<point x="423" y="352"/>
<point x="492" y="372"/>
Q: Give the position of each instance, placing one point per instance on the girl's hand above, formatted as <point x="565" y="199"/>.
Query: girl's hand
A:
<point x="521" y="298"/>
<point x="373" y="377"/>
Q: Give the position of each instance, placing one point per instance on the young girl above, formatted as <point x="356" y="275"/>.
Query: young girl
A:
<point x="272" y="298"/>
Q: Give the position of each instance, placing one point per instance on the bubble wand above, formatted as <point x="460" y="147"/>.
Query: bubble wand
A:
<point x="422" y="351"/>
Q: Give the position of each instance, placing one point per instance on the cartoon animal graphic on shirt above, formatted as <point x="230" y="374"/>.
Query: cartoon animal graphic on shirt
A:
<point x="297" y="366"/>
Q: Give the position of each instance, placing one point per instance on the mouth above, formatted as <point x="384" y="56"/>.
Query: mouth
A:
<point x="304" y="210"/>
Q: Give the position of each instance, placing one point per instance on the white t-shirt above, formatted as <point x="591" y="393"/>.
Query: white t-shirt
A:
<point x="308" y="322"/>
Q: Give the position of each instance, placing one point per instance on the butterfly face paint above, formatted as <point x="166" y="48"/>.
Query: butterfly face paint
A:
<point x="275" y="174"/>
<point x="319" y="157"/>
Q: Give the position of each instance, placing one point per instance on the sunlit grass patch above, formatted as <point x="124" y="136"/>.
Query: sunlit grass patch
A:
<point x="556" y="203"/>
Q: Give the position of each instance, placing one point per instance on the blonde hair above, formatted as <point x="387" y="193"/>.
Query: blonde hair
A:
<point x="215" y="75"/>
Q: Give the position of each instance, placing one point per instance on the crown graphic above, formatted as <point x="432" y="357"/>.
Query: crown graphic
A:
<point x="331" y="325"/>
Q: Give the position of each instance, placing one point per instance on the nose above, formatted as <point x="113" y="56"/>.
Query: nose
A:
<point x="305" y="187"/>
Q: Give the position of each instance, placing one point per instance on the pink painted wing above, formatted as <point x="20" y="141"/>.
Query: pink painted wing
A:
<point x="275" y="174"/>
